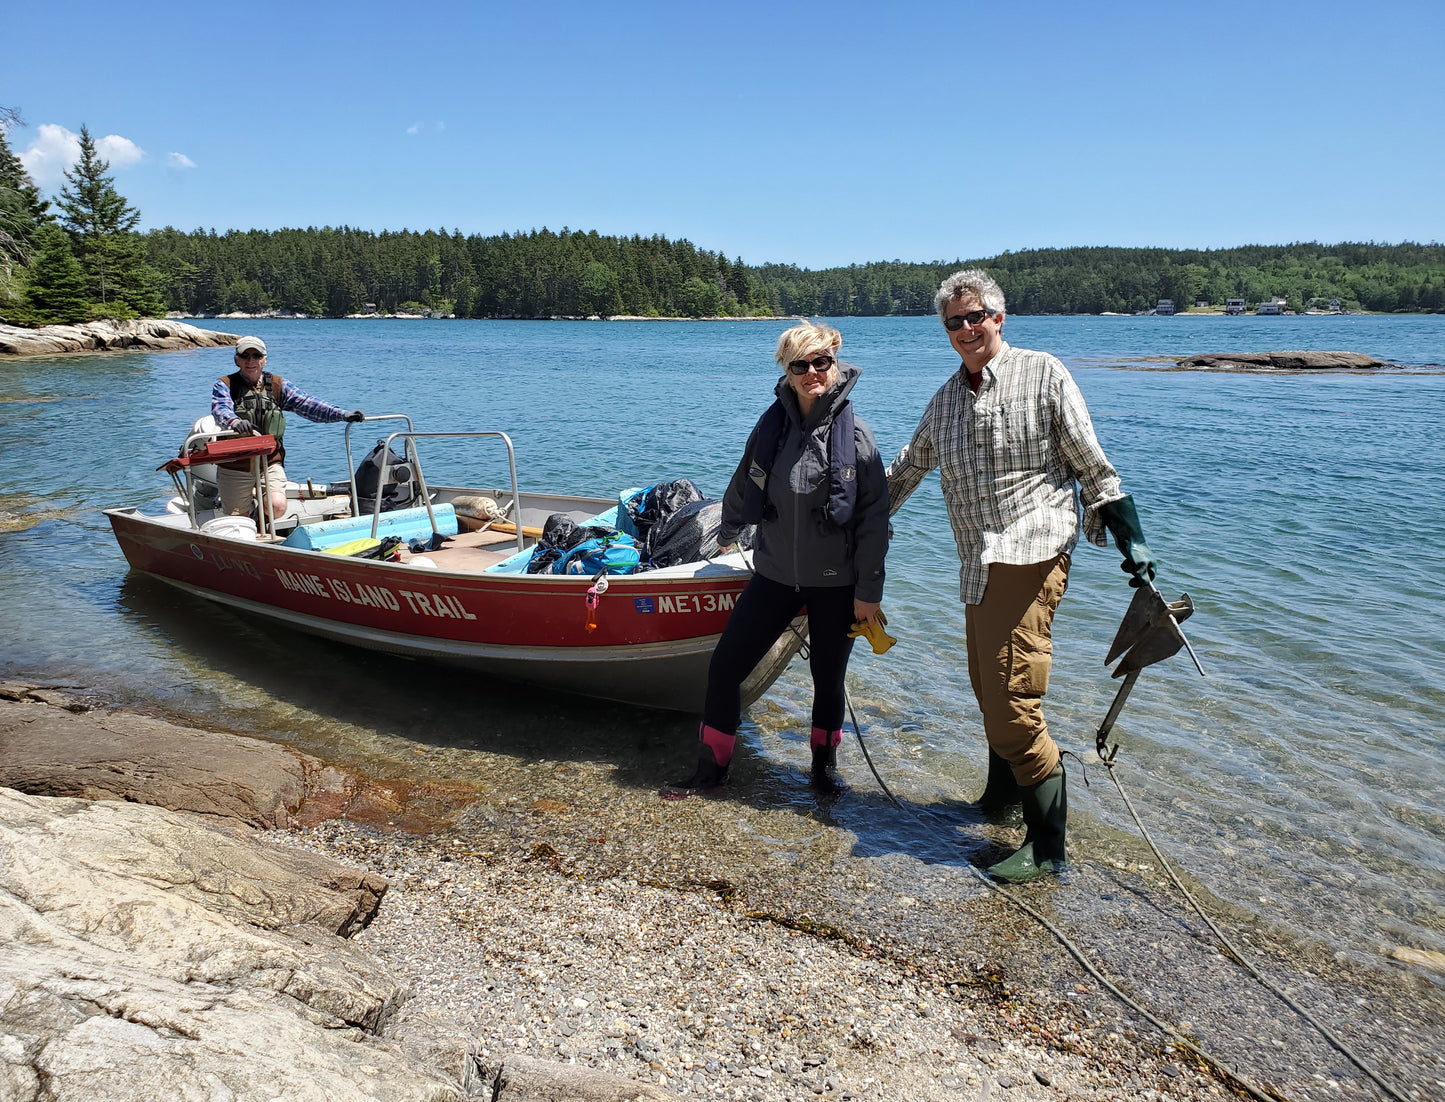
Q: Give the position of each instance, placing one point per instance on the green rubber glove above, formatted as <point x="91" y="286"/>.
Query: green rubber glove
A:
<point x="1121" y="518"/>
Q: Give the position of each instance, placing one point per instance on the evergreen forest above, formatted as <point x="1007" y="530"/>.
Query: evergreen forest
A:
<point x="542" y="273"/>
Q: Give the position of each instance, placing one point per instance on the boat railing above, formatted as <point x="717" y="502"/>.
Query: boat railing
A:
<point x="201" y="441"/>
<point x="411" y="438"/>
<point x="351" y="462"/>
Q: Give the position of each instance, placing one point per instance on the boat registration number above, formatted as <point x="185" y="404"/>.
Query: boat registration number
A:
<point x="686" y="602"/>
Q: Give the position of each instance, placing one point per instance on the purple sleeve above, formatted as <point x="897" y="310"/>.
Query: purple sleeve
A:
<point x="222" y="408"/>
<point x="313" y="409"/>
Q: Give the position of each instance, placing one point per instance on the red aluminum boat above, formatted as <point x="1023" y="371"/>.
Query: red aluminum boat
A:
<point x="642" y="638"/>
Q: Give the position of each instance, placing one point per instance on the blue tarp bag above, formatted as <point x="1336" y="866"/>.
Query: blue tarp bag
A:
<point x="614" y="554"/>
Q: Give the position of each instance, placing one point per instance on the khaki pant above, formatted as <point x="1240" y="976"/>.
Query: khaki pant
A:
<point x="238" y="488"/>
<point x="1010" y="652"/>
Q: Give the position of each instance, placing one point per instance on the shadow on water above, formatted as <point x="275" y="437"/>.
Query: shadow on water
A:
<point x="377" y="714"/>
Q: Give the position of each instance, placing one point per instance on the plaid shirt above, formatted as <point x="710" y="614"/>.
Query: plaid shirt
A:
<point x="292" y="401"/>
<point x="1012" y="460"/>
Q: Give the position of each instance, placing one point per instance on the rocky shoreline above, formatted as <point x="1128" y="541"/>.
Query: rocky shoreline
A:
<point x="142" y="334"/>
<point x="1285" y="361"/>
<point x="187" y="908"/>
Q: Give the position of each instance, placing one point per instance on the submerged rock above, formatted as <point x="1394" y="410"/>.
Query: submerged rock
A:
<point x="146" y="334"/>
<point x="106" y="755"/>
<point x="1285" y="361"/>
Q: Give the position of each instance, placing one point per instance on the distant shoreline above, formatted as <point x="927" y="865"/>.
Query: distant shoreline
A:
<point x="278" y="316"/>
<point x="274" y="316"/>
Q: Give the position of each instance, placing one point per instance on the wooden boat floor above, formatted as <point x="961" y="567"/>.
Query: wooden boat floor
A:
<point x="471" y="552"/>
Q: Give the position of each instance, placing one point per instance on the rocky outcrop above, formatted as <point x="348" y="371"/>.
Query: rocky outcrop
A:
<point x="1285" y="361"/>
<point x="147" y="953"/>
<point x="144" y="334"/>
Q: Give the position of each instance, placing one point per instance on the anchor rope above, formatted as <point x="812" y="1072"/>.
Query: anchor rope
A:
<point x="1220" y="1066"/>
<point x="1078" y="954"/>
<point x="1239" y="957"/>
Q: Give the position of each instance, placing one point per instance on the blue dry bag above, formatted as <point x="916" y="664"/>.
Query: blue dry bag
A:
<point x="614" y="554"/>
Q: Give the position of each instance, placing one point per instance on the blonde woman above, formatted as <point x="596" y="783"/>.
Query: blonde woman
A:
<point x="812" y="481"/>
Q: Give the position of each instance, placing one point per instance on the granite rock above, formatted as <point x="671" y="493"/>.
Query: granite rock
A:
<point x="144" y="334"/>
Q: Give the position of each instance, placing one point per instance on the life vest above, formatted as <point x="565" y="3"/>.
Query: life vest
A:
<point x="261" y="405"/>
<point x="842" y="467"/>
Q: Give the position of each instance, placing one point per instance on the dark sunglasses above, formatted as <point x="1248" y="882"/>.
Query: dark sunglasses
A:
<point x="973" y="317"/>
<point x="818" y="363"/>
<point x="250" y="354"/>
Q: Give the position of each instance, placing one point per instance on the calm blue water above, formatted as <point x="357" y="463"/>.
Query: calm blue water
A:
<point x="1303" y="513"/>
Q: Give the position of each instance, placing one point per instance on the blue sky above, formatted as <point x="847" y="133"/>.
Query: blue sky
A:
<point x="809" y="133"/>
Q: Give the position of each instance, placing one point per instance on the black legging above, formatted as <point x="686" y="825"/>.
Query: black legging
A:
<point x="760" y="616"/>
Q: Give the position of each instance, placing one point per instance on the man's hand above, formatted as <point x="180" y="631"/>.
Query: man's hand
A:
<point x="356" y="415"/>
<point x="241" y="425"/>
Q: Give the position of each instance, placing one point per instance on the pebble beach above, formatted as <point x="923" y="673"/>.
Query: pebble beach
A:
<point x="570" y="917"/>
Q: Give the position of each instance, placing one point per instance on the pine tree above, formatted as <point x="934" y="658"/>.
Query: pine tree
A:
<point x="56" y="287"/>
<point x="22" y="211"/>
<point x="102" y="225"/>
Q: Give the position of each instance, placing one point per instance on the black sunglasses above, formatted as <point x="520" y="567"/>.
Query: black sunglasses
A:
<point x="817" y="363"/>
<point x="973" y="317"/>
<point x="250" y="354"/>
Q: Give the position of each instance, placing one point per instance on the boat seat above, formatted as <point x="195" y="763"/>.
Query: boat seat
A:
<point x="413" y="523"/>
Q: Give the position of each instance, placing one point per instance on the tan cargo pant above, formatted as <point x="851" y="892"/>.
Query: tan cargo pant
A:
<point x="1010" y="653"/>
<point x="238" y="488"/>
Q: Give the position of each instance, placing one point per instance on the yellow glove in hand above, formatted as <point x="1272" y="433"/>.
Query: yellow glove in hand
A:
<point x="873" y="631"/>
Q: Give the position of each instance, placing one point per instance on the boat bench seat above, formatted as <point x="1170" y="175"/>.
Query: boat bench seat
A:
<point x="409" y="524"/>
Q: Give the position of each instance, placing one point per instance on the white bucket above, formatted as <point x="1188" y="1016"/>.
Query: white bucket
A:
<point x="231" y="528"/>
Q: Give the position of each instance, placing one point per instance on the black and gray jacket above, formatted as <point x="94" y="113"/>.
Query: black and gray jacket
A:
<point x="795" y="544"/>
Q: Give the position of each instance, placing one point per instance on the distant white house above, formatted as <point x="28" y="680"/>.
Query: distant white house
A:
<point x="1234" y="306"/>
<point x="1275" y="305"/>
<point x="1165" y="306"/>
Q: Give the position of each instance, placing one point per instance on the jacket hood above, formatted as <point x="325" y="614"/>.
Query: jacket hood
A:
<point x="828" y="404"/>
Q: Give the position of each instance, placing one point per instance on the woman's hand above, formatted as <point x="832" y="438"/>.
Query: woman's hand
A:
<point x="866" y="610"/>
<point x="726" y="548"/>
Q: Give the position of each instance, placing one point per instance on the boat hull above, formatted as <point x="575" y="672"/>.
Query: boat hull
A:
<point x="648" y="642"/>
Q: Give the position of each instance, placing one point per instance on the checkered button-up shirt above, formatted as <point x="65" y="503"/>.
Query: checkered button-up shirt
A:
<point x="1013" y="459"/>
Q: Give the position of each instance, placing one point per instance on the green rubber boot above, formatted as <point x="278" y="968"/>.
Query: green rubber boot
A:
<point x="1001" y="791"/>
<point x="1046" y="808"/>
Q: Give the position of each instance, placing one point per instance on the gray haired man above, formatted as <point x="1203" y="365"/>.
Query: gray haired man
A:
<point x="1011" y="437"/>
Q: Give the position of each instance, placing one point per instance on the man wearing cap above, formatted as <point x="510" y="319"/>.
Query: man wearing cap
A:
<point x="253" y="401"/>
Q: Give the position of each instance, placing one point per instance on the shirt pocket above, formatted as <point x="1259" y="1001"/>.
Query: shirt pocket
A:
<point x="1022" y="437"/>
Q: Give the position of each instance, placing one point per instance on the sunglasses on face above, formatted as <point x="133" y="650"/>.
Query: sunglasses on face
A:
<point x="819" y="364"/>
<point x="250" y="354"/>
<point x="973" y="317"/>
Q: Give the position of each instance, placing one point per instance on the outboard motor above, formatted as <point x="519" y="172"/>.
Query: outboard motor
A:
<point x="401" y="490"/>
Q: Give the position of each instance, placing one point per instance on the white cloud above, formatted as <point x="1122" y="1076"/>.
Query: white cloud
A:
<point x="414" y="128"/>
<point x="55" y="149"/>
<point x="120" y="152"/>
<point x="179" y="160"/>
<point x="426" y="127"/>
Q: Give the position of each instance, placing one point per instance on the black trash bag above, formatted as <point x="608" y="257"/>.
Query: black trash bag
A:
<point x="401" y="490"/>
<point x="689" y="534"/>
<point x="658" y="503"/>
<point x="560" y="533"/>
